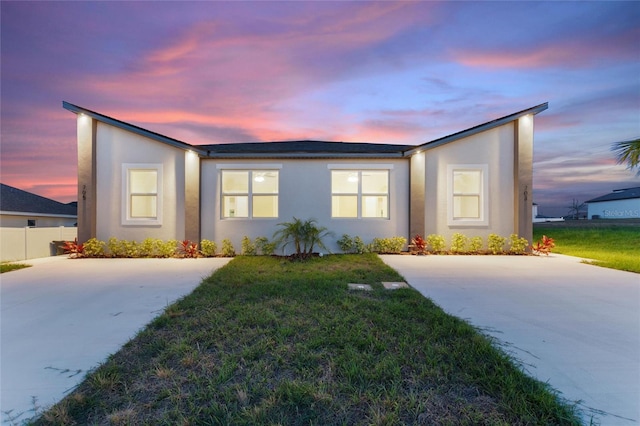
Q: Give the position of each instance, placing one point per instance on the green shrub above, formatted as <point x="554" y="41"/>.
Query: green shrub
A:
<point x="148" y="247"/>
<point x="495" y="243"/>
<point x="264" y="246"/>
<point x="475" y="244"/>
<point x="208" y="248"/>
<point x="388" y="245"/>
<point x="166" y="248"/>
<point x="123" y="248"/>
<point x="517" y="245"/>
<point x="436" y="242"/>
<point x="248" y="248"/>
<point x="459" y="243"/>
<point x="94" y="248"/>
<point x="227" y="248"/>
<point x="346" y="244"/>
<point x="359" y="246"/>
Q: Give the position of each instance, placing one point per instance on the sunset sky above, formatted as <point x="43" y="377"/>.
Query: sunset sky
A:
<point x="392" y="72"/>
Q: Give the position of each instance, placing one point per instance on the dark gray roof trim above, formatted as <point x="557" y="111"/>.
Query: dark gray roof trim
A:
<point x="477" y="129"/>
<point x="130" y="127"/>
<point x="618" y="194"/>
<point x="305" y="148"/>
<point x="19" y="201"/>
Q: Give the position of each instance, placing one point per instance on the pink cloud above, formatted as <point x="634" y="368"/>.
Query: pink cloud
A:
<point x="570" y="53"/>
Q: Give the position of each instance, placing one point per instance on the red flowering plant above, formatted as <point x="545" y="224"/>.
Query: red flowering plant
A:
<point x="543" y="246"/>
<point x="419" y="244"/>
<point x="189" y="249"/>
<point x="73" y="249"/>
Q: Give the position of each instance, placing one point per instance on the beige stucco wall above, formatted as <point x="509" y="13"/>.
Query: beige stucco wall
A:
<point x="304" y="192"/>
<point x="493" y="147"/>
<point x="20" y="221"/>
<point x="114" y="148"/>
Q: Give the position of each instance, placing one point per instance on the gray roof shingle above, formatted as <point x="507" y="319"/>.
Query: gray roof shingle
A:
<point x="618" y="194"/>
<point x="16" y="200"/>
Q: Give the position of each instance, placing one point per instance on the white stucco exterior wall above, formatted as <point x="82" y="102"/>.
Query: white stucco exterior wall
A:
<point x="495" y="148"/>
<point x="304" y="192"/>
<point x="116" y="147"/>
<point x="616" y="209"/>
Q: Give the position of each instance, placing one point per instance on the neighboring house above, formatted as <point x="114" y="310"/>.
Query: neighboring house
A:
<point x="620" y="204"/>
<point x="539" y="218"/>
<point x="19" y="209"/>
<point x="134" y="184"/>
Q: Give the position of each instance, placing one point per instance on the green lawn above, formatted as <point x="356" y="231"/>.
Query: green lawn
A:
<point x="8" y="267"/>
<point x="607" y="244"/>
<point x="266" y="340"/>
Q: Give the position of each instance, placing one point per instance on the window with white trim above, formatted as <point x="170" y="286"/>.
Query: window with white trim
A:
<point x="467" y="200"/>
<point x="249" y="193"/>
<point x="142" y="192"/>
<point x="360" y="194"/>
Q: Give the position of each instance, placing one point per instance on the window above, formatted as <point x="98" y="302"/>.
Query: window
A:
<point x="142" y="192"/>
<point x="31" y="223"/>
<point x="249" y="193"/>
<point x="360" y="193"/>
<point x="467" y="200"/>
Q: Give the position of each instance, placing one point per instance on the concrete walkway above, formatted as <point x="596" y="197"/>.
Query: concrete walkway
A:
<point x="573" y="325"/>
<point x="62" y="317"/>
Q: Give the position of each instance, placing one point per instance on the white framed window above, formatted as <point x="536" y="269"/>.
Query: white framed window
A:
<point x="360" y="193"/>
<point x="467" y="199"/>
<point x="249" y="193"/>
<point x="142" y="194"/>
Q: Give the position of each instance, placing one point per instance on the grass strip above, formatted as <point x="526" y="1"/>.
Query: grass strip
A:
<point x="268" y="341"/>
<point x="616" y="247"/>
<point x="8" y="267"/>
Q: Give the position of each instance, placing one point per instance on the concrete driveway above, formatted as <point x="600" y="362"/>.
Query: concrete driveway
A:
<point x="62" y="317"/>
<point x="573" y="325"/>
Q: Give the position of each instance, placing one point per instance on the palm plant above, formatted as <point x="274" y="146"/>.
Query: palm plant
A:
<point x="628" y="152"/>
<point x="304" y="235"/>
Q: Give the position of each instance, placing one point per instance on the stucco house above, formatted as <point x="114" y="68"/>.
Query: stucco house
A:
<point x="619" y="204"/>
<point x="134" y="183"/>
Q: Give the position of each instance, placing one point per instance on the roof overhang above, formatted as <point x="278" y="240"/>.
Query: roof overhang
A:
<point x="477" y="129"/>
<point x="134" y="129"/>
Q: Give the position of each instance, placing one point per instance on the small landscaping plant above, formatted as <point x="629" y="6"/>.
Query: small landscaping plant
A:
<point x="94" y="248"/>
<point x="391" y="245"/>
<point x="475" y="244"/>
<point x="248" y="248"/>
<point x="543" y="246"/>
<point x="419" y="244"/>
<point x="459" y="243"/>
<point x="303" y="235"/>
<point x="227" y="248"/>
<point x="188" y="249"/>
<point x="208" y="248"/>
<point x="346" y="244"/>
<point x="517" y="245"/>
<point x="264" y="246"/>
<point x="495" y="243"/>
<point x="436" y="242"/>
<point x="73" y="249"/>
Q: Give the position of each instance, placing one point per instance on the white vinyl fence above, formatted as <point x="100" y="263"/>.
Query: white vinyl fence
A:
<point x="31" y="243"/>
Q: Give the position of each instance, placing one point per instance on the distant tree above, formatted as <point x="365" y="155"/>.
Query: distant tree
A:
<point x="575" y="209"/>
<point x="628" y="152"/>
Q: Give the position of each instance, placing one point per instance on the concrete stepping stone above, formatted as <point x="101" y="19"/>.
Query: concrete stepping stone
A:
<point x="361" y="287"/>
<point x="390" y="285"/>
